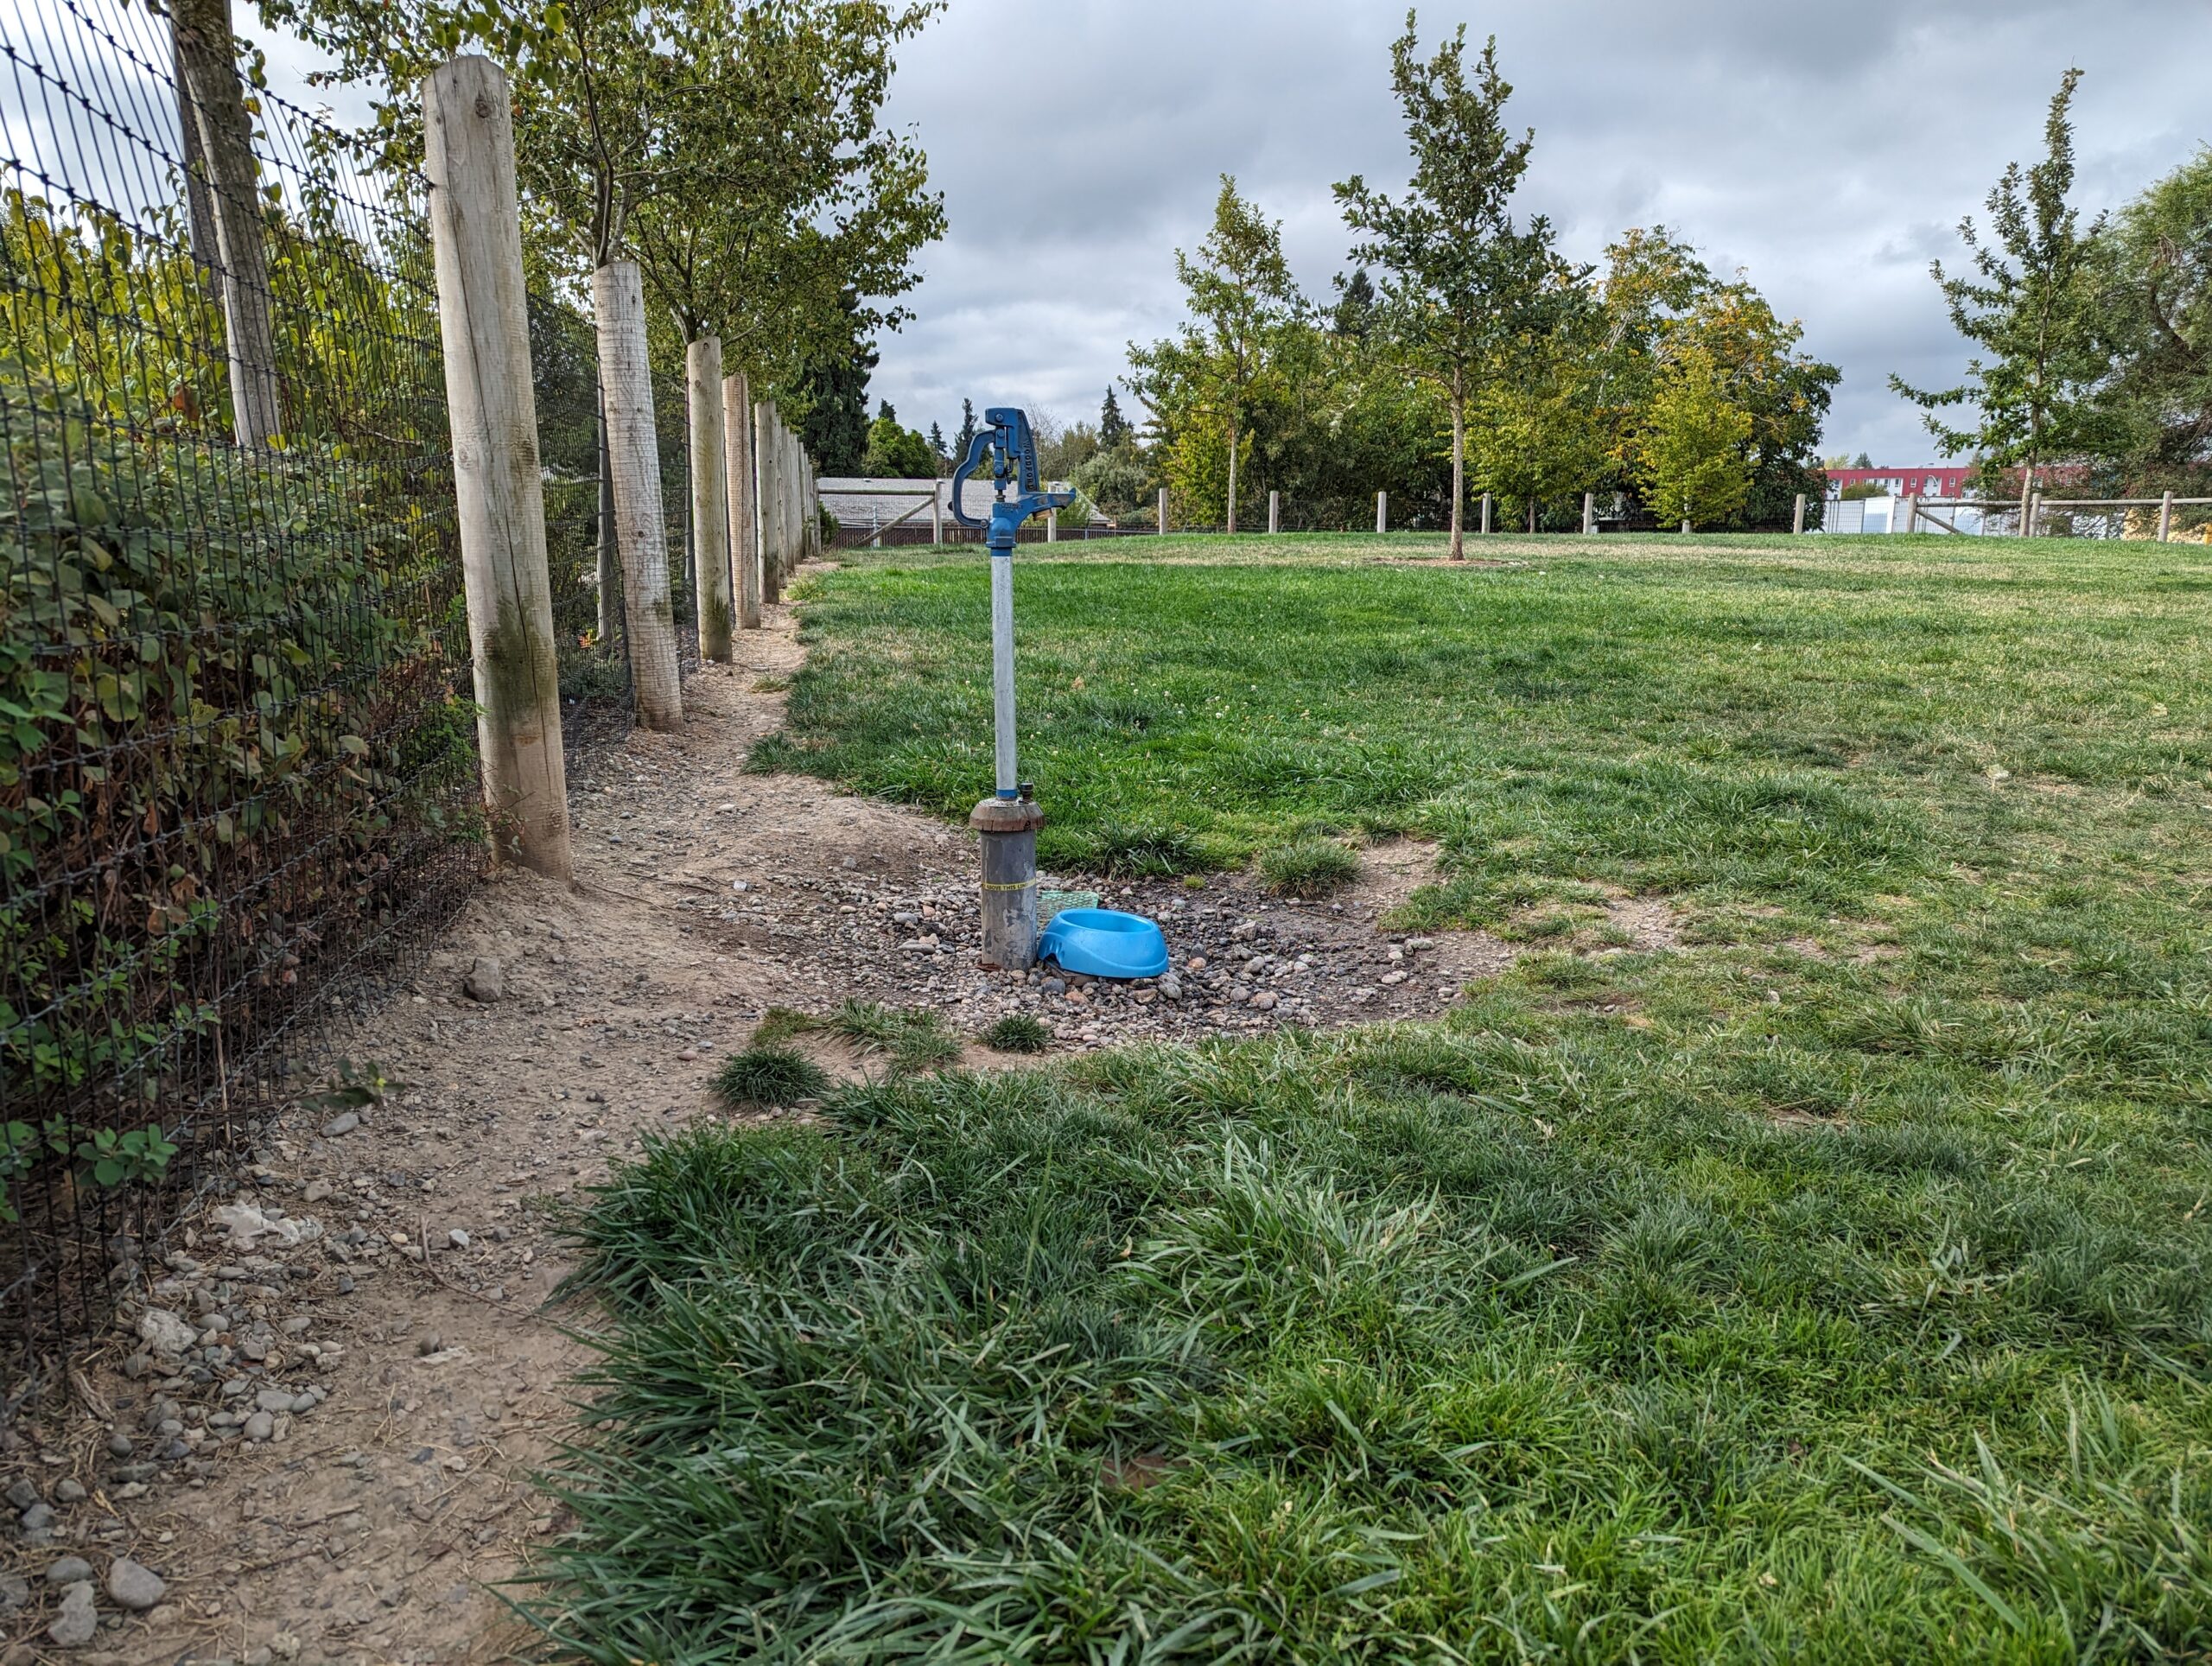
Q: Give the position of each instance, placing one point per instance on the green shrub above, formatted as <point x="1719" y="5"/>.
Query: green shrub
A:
<point x="1018" y="1032"/>
<point x="769" y="1076"/>
<point x="1308" y="867"/>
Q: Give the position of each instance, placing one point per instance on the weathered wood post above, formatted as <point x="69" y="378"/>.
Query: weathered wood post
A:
<point x="2166" y="516"/>
<point x="936" y="511"/>
<point x="641" y="533"/>
<point x="1907" y="512"/>
<point x="1163" y="509"/>
<point x="207" y="52"/>
<point x="766" y="463"/>
<point x="1797" y="518"/>
<point x="1485" y="511"/>
<point x="738" y="487"/>
<point x="796" y="476"/>
<point x="1382" y="511"/>
<point x="702" y="388"/>
<point x="1589" y="513"/>
<point x="1052" y="526"/>
<point x="609" y="568"/>
<point x="1275" y="511"/>
<point x="499" y="492"/>
<point x="1685" y="525"/>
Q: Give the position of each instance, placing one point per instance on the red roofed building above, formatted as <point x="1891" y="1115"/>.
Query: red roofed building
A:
<point x="1935" y="479"/>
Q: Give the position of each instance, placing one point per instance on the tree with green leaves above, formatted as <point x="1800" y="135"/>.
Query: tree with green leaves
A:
<point x="966" y="438"/>
<point x="894" y="452"/>
<point x="2154" y="319"/>
<point x="1113" y="426"/>
<point x="1207" y="380"/>
<point x="1687" y="449"/>
<point x="2029" y="305"/>
<point x="1458" y="277"/>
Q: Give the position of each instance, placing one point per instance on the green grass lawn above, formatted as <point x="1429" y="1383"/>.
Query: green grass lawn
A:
<point x="1838" y="1287"/>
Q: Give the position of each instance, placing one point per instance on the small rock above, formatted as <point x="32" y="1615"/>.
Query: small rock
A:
<point x="70" y="1570"/>
<point x="78" y="1618"/>
<point x="15" y="1592"/>
<point x="119" y="1444"/>
<point x="260" y="1426"/>
<point x="133" y="1585"/>
<point x="273" y="1400"/>
<point x="317" y="1191"/>
<point x="459" y="1239"/>
<point x="22" y="1494"/>
<point x="428" y="1345"/>
<point x="301" y="1403"/>
<point x="1265" y="1000"/>
<point x="342" y="1124"/>
<point x="37" y="1522"/>
<point x="486" y="982"/>
<point x="345" y="1284"/>
<point x="68" y="1491"/>
<point x="164" y="1332"/>
<point x="1170" y="987"/>
<point x="1054" y="986"/>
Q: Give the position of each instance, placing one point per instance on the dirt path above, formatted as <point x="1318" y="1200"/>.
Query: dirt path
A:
<point x="315" y="1423"/>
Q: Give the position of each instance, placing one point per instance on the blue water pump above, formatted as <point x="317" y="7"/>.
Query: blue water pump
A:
<point x="1008" y="821"/>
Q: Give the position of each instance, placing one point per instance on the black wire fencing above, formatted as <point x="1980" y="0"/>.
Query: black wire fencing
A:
<point x="238" y="759"/>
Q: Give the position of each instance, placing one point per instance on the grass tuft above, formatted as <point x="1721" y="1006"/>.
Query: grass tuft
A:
<point x="911" y="1041"/>
<point x="1308" y="867"/>
<point x="769" y="1076"/>
<point x="1017" y="1032"/>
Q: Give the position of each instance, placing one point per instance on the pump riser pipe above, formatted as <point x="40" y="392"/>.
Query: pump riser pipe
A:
<point x="1003" y="671"/>
<point x="1010" y="898"/>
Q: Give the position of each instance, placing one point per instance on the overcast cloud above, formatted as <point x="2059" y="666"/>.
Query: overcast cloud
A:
<point x="1830" y="150"/>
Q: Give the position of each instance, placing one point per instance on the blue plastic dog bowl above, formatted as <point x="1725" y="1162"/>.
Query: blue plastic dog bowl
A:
<point x="1104" y="943"/>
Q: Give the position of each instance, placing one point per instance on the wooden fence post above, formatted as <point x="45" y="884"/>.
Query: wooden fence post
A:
<point x="641" y="533"/>
<point x="609" y="567"/>
<point x="1052" y="526"/>
<point x="1797" y="519"/>
<point x="1275" y="511"/>
<point x="206" y="48"/>
<point x="2166" y="516"/>
<point x="1163" y="509"/>
<point x="769" y="491"/>
<point x="936" y="511"/>
<point x="1485" y="511"/>
<point x="1382" y="511"/>
<point x="1589" y="512"/>
<point x="499" y="492"/>
<point x="1907" y="512"/>
<point x="737" y="487"/>
<point x="702" y="388"/>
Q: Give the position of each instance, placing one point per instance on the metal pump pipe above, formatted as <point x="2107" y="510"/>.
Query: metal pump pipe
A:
<point x="1007" y="823"/>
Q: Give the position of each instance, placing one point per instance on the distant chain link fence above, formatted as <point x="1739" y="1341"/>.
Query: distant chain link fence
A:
<point x="238" y="770"/>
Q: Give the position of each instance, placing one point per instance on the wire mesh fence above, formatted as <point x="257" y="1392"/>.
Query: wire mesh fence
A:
<point x="238" y="770"/>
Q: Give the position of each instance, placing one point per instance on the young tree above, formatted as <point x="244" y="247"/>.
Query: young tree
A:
<point x="936" y="448"/>
<point x="1458" y="274"/>
<point x="1245" y="305"/>
<point x="2028" y="306"/>
<point x="967" y="434"/>
<point x="2156" y="321"/>
<point x="1688" y="450"/>
<point x="1113" y="426"/>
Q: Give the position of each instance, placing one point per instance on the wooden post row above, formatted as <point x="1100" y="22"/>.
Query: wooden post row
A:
<point x="766" y="465"/>
<point x="499" y="492"/>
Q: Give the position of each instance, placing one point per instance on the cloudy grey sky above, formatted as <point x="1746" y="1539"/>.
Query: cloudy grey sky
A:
<point x="1828" y="149"/>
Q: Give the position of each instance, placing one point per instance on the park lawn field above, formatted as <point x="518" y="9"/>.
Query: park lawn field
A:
<point x="1837" y="1287"/>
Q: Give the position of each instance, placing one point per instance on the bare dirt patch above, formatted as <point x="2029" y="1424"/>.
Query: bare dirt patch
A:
<point x="320" y="1432"/>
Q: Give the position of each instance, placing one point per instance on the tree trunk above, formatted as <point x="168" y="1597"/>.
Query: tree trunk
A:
<point x="641" y="534"/>
<point x="1232" y="473"/>
<point x="703" y="386"/>
<point x="1458" y="467"/>
<point x="209" y="55"/>
<point x="744" y="524"/>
